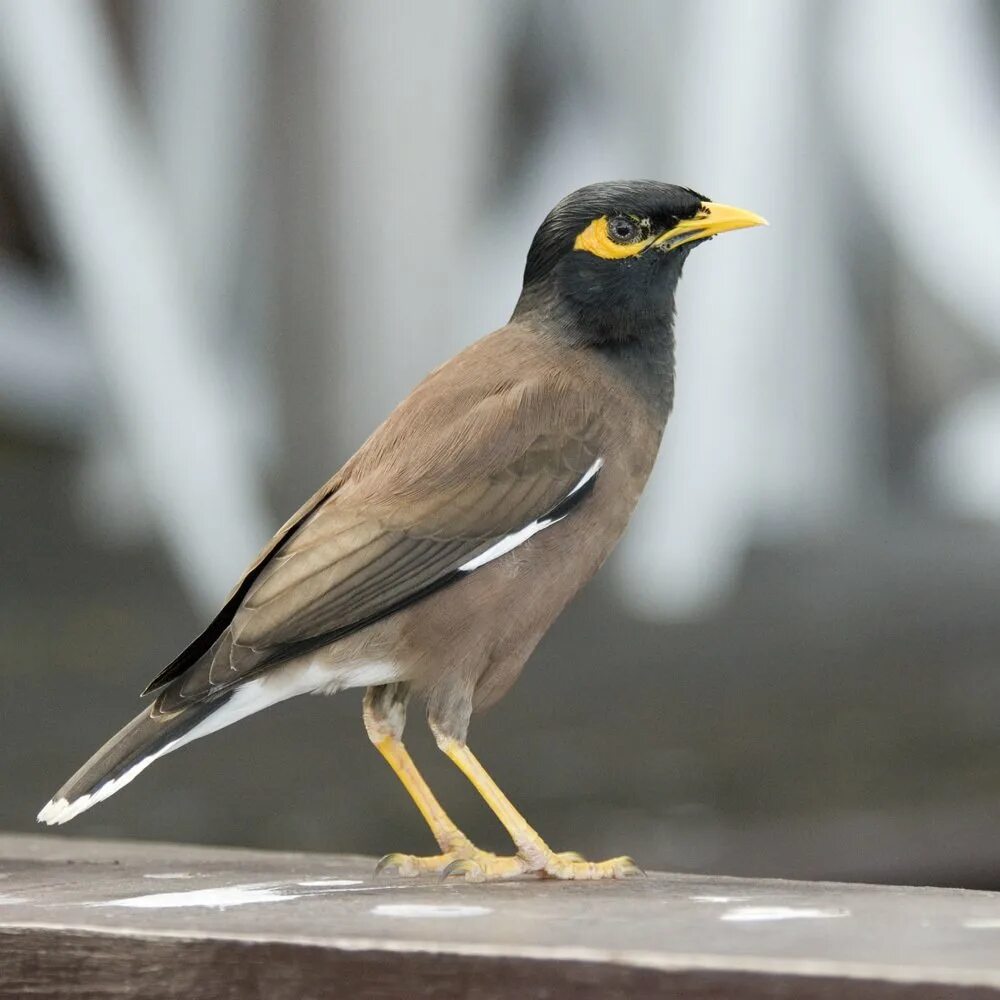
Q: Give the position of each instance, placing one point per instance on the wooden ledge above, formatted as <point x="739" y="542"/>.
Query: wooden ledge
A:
<point x="123" y="919"/>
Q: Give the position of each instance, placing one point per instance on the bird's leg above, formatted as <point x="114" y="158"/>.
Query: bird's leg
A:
<point x="384" y="717"/>
<point x="533" y="856"/>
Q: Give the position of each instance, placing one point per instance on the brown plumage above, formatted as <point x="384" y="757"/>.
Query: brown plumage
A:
<point x="437" y="557"/>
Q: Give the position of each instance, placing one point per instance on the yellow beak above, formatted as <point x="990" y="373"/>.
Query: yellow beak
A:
<point x="710" y="221"/>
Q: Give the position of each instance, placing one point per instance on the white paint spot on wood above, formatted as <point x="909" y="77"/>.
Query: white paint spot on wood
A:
<point x="222" y="896"/>
<point x="982" y="923"/>
<point x="718" y="899"/>
<point x="750" y="913"/>
<point x="429" y="910"/>
<point x="225" y="896"/>
<point x="11" y="900"/>
<point x="330" y="882"/>
<point x="168" y="875"/>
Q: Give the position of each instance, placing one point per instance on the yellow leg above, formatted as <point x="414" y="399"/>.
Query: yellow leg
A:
<point x="446" y="833"/>
<point x="533" y="854"/>
<point x="454" y="844"/>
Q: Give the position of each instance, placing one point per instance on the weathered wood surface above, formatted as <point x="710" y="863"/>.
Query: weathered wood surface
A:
<point x="110" y="919"/>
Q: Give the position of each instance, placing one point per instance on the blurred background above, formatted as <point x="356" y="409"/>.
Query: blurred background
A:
<point x="233" y="234"/>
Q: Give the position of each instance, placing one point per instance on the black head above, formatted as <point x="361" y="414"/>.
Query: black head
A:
<point x="606" y="261"/>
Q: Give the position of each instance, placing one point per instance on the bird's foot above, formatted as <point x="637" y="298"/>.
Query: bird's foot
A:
<point x="565" y="865"/>
<point x="413" y="865"/>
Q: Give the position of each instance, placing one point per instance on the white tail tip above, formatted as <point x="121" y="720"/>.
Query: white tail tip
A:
<point x="60" y="810"/>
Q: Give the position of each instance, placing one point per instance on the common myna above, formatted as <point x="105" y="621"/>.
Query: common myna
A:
<point x="436" y="558"/>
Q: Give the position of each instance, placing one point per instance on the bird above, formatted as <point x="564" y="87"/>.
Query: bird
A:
<point x="434" y="560"/>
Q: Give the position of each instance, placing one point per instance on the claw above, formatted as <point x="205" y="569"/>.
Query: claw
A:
<point x="629" y="868"/>
<point x="387" y="861"/>
<point x="451" y="862"/>
<point x="464" y="866"/>
<point x="452" y="869"/>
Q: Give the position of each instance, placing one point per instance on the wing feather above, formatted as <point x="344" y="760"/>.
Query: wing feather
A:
<point x="425" y="495"/>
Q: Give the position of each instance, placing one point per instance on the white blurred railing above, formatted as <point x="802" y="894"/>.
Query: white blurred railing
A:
<point x="109" y="210"/>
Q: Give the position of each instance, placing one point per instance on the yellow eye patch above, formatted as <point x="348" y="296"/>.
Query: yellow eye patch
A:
<point x="596" y="239"/>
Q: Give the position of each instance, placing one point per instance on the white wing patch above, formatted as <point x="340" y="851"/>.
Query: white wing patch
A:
<point x="512" y="541"/>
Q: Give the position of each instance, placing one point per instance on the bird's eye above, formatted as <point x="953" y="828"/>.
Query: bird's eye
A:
<point x="622" y="229"/>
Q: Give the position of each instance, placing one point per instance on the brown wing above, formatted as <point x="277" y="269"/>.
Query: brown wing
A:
<point x="471" y="457"/>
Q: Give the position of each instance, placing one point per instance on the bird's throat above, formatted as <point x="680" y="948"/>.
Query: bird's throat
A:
<point x="638" y="343"/>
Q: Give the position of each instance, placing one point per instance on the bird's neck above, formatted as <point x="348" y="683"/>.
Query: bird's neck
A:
<point x="638" y="344"/>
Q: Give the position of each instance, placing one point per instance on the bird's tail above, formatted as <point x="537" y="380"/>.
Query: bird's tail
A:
<point x="150" y="735"/>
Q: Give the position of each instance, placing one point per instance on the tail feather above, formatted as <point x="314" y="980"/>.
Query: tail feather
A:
<point x="155" y="733"/>
<point x="150" y="735"/>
